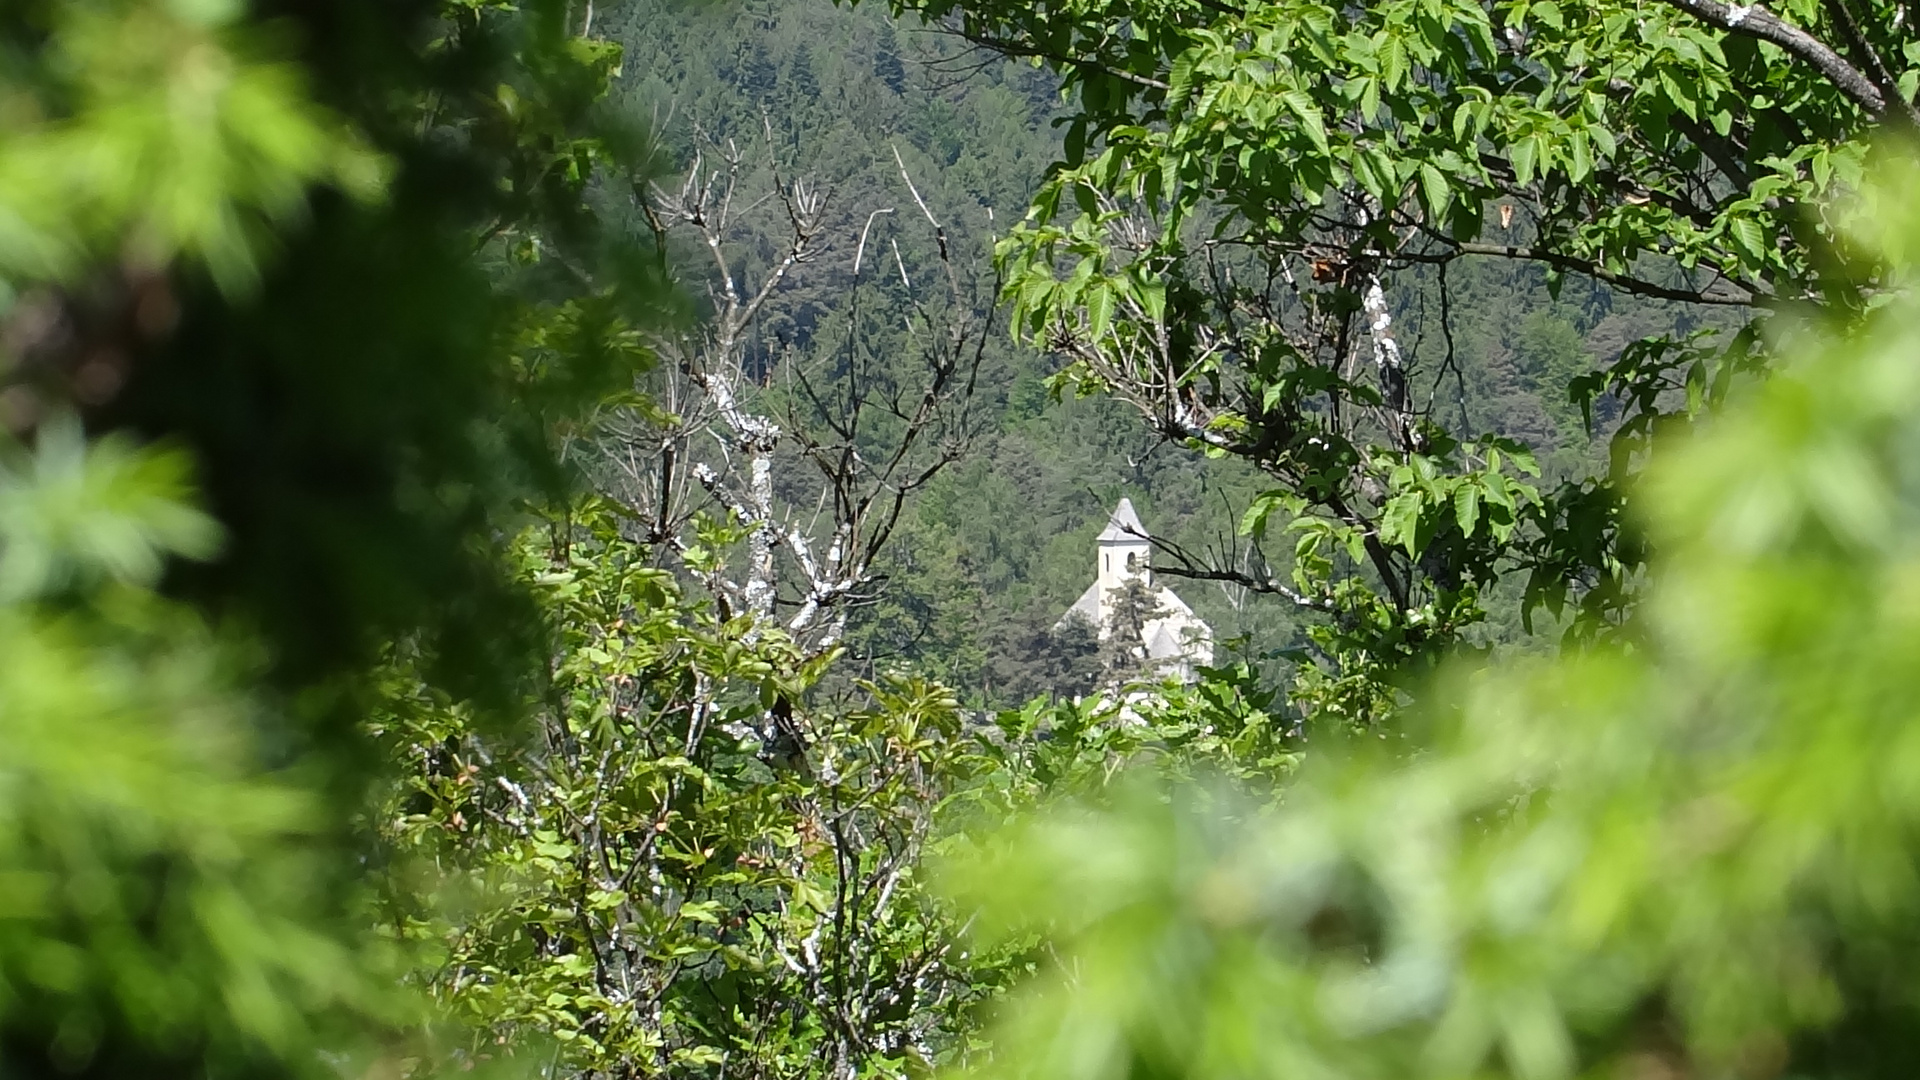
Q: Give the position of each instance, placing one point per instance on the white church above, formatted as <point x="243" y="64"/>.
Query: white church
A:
<point x="1177" y="641"/>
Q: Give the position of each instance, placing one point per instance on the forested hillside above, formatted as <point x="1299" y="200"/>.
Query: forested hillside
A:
<point x="999" y="545"/>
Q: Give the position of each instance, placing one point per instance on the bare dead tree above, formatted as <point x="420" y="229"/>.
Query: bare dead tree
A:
<point x="813" y="452"/>
<point x="802" y="458"/>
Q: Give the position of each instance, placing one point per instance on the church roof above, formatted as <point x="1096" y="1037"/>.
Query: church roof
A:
<point x="1162" y="642"/>
<point x="1088" y="605"/>
<point x="1176" y="609"/>
<point x="1124" y="526"/>
<point x="1172" y="603"/>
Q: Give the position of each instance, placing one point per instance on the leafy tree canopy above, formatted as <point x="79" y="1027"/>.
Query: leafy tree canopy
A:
<point x="1682" y="858"/>
<point x="1248" y="191"/>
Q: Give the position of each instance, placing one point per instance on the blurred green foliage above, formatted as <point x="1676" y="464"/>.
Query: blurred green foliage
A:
<point x="166" y="902"/>
<point x="292" y="298"/>
<point x="1691" y="856"/>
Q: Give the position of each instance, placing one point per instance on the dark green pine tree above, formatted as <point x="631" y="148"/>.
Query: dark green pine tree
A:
<point x="1123" y="655"/>
<point x="886" y="61"/>
<point x="1045" y="660"/>
<point x="801" y="84"/>
<point x="754" y="72"/>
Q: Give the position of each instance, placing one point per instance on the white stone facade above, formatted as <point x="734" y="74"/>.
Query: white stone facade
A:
<point x="1175" y="643"/>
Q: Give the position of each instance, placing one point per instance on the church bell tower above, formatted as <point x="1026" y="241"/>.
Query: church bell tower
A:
<point x="1124" y="550"/>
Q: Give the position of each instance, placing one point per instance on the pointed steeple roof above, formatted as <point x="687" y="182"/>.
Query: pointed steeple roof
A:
<point x="1124" y="526"/>
<point x="1163" y="641"/>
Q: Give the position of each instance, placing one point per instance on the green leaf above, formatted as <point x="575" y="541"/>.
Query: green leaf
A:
<point x="1302" y="105"/>
<point x="1393" y="62"/>
<point x="1254" y="522"/>
<point x="1748" y="237"/>
<point x="1400" y="522"/>
<point x="1153" y="296"/>
<point x="1099" y="301"/>
<point x="1681" y="96"/>
<point x="1180" y="79"/>
<point x="1433" y="187"/>
<point x="1579" y="157"/>
<point x="1466" y="506"/>
<point x="1522" y="155"/>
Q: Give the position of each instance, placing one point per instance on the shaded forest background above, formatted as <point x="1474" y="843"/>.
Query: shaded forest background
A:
<point x="1002" y="542"/>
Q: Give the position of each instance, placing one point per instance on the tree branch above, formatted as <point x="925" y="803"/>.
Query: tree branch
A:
<point x="1593" y="269"/>
<point x="1865" y="53"/>
<point x="1757" y="23"/>
<point x="1009" y="48"/>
